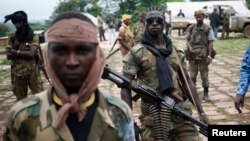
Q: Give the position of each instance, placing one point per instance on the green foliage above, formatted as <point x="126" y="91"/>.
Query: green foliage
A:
<point x="75" y="5"/>
<point x="4" y="30"/>
<point x="37" y="26"/>
<point x="248" y="3"/>
<point x="231" y="45"/>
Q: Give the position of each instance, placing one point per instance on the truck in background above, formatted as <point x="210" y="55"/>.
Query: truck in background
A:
<point x="239" y="19"/>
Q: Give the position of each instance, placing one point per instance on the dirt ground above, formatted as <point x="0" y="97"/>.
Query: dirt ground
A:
<point x="223" y="76"/>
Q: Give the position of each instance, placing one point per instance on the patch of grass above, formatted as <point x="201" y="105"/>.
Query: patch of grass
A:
<point x="5" y="62"/>
<point x="2" y="47"/>
<point x="231" y="46"/>
<point x="223" y="111"/>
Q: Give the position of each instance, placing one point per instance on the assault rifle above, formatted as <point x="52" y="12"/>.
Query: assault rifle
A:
<point x="151" y="95"/>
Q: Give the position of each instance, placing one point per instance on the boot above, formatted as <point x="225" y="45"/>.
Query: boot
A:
<point x="206" y="97"/>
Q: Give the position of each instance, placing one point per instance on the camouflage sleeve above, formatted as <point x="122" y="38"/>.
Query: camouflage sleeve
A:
<point x="130" y="62"/>
<point x="14" y="126"/>
<point x="123" y="118"/>
<point x="188" y="34"/>
<point x="244" y="74"/>
<point x="181" y="55"/>
<point x="126" y="124"/>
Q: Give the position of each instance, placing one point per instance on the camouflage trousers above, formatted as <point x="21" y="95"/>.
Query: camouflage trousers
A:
<point x="21" y="84"/>
<point x="194" y="67"/>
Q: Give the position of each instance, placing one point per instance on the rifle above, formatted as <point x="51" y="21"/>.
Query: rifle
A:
<point x="41" y="60"/>
<point x="151" y="95"/>
<point x="112" y="53"/>
<point x="41" y="63"/>
<point x="113" y="46"/>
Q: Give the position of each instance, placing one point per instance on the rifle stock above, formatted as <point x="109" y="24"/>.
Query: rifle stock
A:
<point x="151" y="95"/>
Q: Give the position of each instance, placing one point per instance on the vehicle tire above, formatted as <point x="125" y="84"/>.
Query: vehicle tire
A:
<point x="246" y="31"/>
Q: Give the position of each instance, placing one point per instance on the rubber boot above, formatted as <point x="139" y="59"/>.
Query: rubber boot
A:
<point x="206" y="97"/>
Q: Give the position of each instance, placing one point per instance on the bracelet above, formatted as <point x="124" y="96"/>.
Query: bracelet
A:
<point x="203" y="114"/>
<point x="209" y="57"/>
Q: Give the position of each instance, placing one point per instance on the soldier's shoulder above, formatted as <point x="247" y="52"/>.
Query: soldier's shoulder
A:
<point x="119" y="104"/>
<point x="22" y="105"/>
<point x="138" y="47"/>
<point x="206" y="27"/>
<point x="179" y="49"/>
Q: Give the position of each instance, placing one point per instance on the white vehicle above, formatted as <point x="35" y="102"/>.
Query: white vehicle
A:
<point x="239" y="19"/>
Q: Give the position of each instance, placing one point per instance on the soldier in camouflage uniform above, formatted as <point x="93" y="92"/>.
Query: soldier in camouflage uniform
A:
<point x="200" y="45"/>
<point x="225" y="27"/>
<point x="23" y="53"/>
<point x="143" y="66"/>
<point x="72" y="109"/>
<point x="139" y="28"/>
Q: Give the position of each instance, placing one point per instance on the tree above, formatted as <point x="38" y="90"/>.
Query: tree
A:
<point x="75" y="5"/>
<point x="4" y="30"/>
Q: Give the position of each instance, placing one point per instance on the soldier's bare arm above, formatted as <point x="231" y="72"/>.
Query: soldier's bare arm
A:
<point x="126" y="93"/>
<point x="124" y="44"/>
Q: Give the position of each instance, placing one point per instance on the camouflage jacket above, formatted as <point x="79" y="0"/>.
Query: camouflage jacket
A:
<point x="199" y="38"/>
<point x="138" y="31"/>
<point x="21" y="67"/>
<point x="244" y="80"/>
<point x="31" y="120"/>
<point x="141" y="63"/>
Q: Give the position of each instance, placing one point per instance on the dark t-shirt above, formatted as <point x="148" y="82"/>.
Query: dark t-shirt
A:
<point x="181" y="15"/>
<point x="111" y="23"/>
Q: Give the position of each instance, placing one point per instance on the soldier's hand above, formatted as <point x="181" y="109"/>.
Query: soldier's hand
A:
<point x="8" y="53"/>
<point x="209" y="60"/>
<point x="203" y="118"/>
<point x="239" y="102"/>
<point x="191" y="49"/>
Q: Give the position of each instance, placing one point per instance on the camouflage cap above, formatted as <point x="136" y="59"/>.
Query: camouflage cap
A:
<point x="199" y="12"/>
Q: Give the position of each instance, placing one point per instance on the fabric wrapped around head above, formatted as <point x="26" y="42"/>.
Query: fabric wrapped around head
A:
<point x="125" y="17"/>
<point x="16" y="17"/>
<point x="73" y="30"/>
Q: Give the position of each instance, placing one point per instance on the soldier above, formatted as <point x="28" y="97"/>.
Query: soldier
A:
<point x="159" y="71"/>
<point x="200" y="45"/>
<point x="100" y="27"/>
<point x="243" y="83"/>
<point x="225" y="26"/>
<point x="23" y="53"/>
<point x="72" y="109"/>
<point x="139" y="27"/>
<point x="125" y="36"/>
